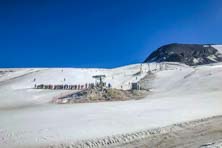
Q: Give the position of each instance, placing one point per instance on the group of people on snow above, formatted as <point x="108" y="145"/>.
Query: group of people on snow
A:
<point x="65" y="86"/>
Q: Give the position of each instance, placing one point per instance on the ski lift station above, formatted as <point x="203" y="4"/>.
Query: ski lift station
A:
<point x="99" y="78"/>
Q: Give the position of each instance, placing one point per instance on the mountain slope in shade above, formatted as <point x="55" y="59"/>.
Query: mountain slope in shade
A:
<point x="190" y="54"/>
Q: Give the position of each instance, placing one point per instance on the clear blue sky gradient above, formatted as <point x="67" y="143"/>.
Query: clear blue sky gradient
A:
<point x="101" y="33"/>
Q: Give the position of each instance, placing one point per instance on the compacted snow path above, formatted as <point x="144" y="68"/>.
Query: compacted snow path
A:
<point x="178" y="95"/>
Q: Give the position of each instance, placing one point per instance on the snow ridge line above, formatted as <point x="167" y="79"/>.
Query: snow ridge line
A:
<point x="190" y="74"/>
<point x="16" y="77"/>
<point x="111" y="141"/>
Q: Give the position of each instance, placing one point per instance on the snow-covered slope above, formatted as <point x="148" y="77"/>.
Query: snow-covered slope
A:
<point x="16" y="85"/>
<point x="179" y="93"/>
<point x="218" y="47"/>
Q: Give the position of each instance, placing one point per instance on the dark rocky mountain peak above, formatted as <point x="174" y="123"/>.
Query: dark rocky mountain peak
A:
<point x="190" y="54"/>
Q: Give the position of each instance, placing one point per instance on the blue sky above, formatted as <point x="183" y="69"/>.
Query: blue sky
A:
<point x="101" y="33"/>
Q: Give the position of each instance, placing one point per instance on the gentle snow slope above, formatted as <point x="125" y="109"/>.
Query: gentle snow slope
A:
<point x="16" y="88"/>
<point x="179" y="94"/>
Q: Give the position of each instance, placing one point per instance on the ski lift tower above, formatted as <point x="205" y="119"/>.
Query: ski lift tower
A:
<point x="99" y="80"/>
<point x="149" y="70"/>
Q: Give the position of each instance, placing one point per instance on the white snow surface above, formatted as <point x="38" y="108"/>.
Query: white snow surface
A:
<point x="218" y="47"/>
<point x="179" y="93"/>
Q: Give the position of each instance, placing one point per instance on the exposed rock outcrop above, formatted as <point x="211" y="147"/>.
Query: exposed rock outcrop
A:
<point x="190" y="54"/>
